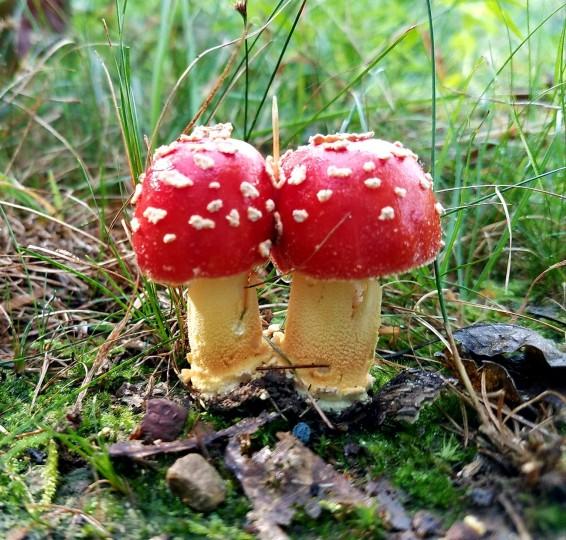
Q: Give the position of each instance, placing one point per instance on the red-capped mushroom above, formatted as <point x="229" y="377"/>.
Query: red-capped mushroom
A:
<point x="351" y="209"/>
<point x="204" y="217"/>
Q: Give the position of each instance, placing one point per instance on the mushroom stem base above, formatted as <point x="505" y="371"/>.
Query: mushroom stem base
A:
<point x="333" y="323"/>
<point x="224" y="333"/>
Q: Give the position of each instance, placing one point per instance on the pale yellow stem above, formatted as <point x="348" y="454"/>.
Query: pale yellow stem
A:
<point x="334" y="323"/>
<point x="224" y="333"/>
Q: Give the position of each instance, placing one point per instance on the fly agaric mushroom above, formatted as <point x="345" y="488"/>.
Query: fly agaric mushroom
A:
<point x="352" y="209"/>
<point x="203" y="217"/>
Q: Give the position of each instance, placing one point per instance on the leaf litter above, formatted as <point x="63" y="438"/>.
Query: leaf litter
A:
<point x="281" y="480"/>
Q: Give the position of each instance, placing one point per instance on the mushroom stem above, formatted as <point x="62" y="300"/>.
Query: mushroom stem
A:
<point x="333" y="322"/>
<point x="225" y="334"/>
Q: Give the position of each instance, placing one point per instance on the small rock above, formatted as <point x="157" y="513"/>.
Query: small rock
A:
<point x="164" y="420"/>
<point x="36" y="456"/>
<point x="405" y="535"/>
<point x="196" y="483"/>
<point x="302" y="431"/>
<point x="352" y="450"/>
<point x="18" y="533"/>
<point x="462" y="531"/>
<point x="75" y="483"/>
<point x="482" y="496"/>
<point x="425" y="524"/>
<point x="476" y="524"/>
<point x="131" y="394"/>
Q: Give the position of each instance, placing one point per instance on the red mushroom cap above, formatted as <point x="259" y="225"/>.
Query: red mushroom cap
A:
<point x="354" y="207"/>
<point x="203" y="208"/>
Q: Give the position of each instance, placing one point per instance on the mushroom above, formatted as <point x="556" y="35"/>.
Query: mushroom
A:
<point x="203" y="218"/>
<point x="352" y="209"/>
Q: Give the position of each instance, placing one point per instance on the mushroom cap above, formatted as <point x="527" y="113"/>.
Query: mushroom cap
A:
<point x="203" y="208"/>
<point x="354" y="207"/>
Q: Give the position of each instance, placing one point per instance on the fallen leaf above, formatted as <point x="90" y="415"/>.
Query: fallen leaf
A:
<point x="138" y="450"/>
<point x="403" y="397"/>
<point x="511" y="358"/>
<point x="389" y="505"/>
<point x="278" y="481"/>
<point x="489" y="340"/>
<point x="548" y="312"/>
<point x="494" y="376"/>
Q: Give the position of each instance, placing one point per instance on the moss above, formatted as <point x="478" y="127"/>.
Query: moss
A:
<point x="338" y="524"/>
<point x="419" y="459"/>
<point x="547" y="518"/>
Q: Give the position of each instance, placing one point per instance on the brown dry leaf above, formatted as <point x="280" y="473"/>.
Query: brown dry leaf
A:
<point x="511" y="358"/>
<point x="495" y="377"/>
<point x="278" y="481"/>
<point x="403" y="397"/>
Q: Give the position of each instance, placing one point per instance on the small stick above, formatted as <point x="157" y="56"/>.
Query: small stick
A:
<point x="516" y="519"/>
<point x="297" y="366"/>
<point x="275" y="129"/>
<point x="319" y="410"/>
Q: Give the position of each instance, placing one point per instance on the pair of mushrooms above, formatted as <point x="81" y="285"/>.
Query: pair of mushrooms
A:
<point x="345" y="210"/>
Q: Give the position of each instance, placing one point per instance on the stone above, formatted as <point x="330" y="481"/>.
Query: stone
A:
<point x="426" y="525"/>
<point x="196" y="483"/>
<point x="164" y="421"/>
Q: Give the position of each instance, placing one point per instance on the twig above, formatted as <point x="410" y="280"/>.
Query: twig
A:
<point x="217" y="84"/>
<point x="295" y="366"/>
<point x="42" y="374"/>
<point x="518" y="522"/>
<point x="317" y="408"/>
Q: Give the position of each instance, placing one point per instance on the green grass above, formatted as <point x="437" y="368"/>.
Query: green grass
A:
<point x="74" y="121"/>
